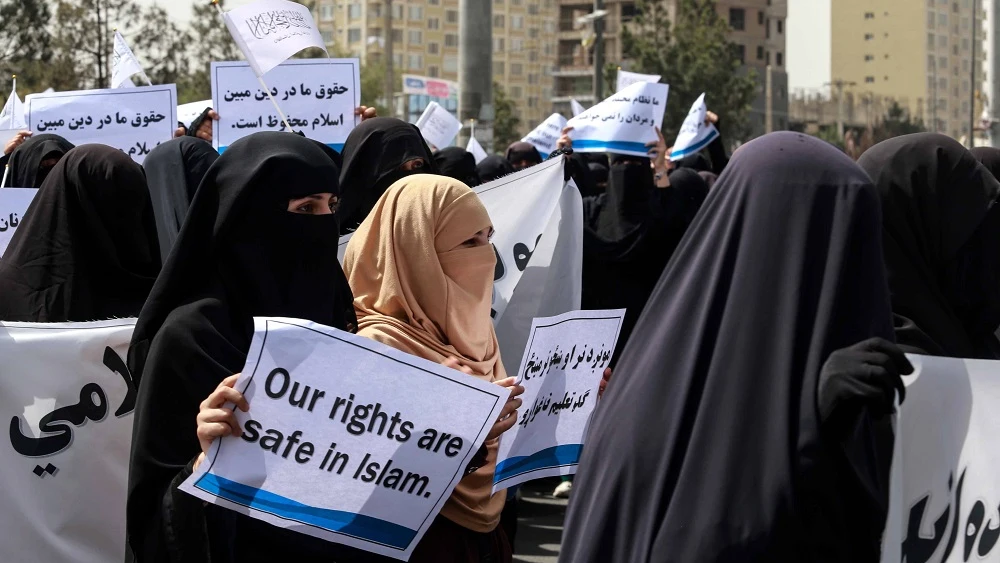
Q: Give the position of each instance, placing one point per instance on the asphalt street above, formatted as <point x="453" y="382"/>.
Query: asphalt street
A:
<point x="540" y="523"/>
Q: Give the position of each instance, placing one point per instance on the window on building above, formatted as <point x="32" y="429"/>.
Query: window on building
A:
<point x="397" y="11"/>
<point x="354" y="11"/>
<point x="767" y="57"/>
<point x="942" y="20"/>
<point x="433" y="23"/>
<point x="737" y="18"/>
<point x="433" y="71"/>
<point x="741" y="53"/>
<point x="550" y="26"/>
<point x="516" y="69"/>
<point x="930" y="20"/>
<point x="433" y="48"/>
<point x="415" y="37"/>
<point x="931" y="62"/>
<point x="532" y="102"/>
<point x="930" y="40"/>
<point x="397" y="60"/>
<point x="516" y="45"/>
<point x="532" y="9"/>
<point x="516" y="2"/>
<point x="869" y="36"/>
<point x="450" y="40"/>
<point x="353" y="35"/>
<point x="416" y="13"/>
<point x="326" y="12"/>
<point x="781" y="26"/>
<point x="498" y="46"/>
<point x="397" y="36"/>
<point x="869" y="58"/>
<point x="942" y="41"/>
<point x="760" y="17"/>
<point x="498" y="20"/>
<point x="532" y="79"/>
<point x="517" y="22"/>
<point x="499" y="67"/>
<point x="779" y="58"/>
<point x="451" y="63"/>
<point x="516" y="92"/>
<point x="415" y="62"/>
<point x="767" y="29"/>
<point x="451" y="16"/>
<point x="943" y="63"/>
<point x="869" y="79"/>
<point x="327" y="36"/>
<point x="869" y="15"/>
<point x="498" y="2"/>
<point x="760" y="53"/>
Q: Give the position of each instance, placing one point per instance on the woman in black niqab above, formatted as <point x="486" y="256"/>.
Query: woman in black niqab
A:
<point x="377" y="153"/>
<point x="707" y="445"/>
<point x="941" y="232"/>
<point x="457" y="163"/>
<point x="31" y="162"/>
<point x="492" y="167"/>
<point x="173" y="171"/>
<point x="86" y="249"/>
<point x="240" y="254"/>
<point x="521" y="155"/>
<point x="988" y="157"/>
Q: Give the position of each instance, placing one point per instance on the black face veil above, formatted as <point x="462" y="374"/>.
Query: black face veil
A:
<point x="26" y="170"/>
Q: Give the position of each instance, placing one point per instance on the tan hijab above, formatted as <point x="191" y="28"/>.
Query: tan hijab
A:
<point x="418" y="290"/>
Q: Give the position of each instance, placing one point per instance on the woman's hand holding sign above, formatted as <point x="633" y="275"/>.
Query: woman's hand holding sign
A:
<point x="214" y="421"/>
<point x="508" y="416"/>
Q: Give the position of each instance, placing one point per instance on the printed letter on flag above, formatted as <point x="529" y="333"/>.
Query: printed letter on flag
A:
<point x="546" y="135"/>
<point x="270" y="31"/>
<point x="626" y="78"/>
<point x="124" y="64"/>
<point x="694" y="134"/>
<point x="623" y="123"/>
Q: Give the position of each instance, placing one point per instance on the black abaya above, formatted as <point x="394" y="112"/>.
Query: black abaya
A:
<point x="493" y="167"/>
<point x="457" y="163"/>
<point x="26" y="170"/>
<point x="86" y="249"/>
<point x="173" y="171"/>
<point x="240" y="254"/>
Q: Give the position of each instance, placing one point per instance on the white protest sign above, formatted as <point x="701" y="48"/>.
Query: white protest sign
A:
<point x="626" y="79"/>
<point x="695" y="134"/>
<point x="270" y="31"/>
<point x="68" y="397"/>
<point x="186" y="113"/>
<point x="438" y="126"/>
<point x="546" y="135"/>
<point x="134" y="120"/>
<point x="346" y="439"/>
<point x="576" y="107"/>
<point x="945" y="508"/>
<point x="623" y="123"/>
<point x="124" y="64"/>
<point x="317" y="95"/>
<point x="12" y="114"/>
<point x="561" y="372"/>
<point x="477" y="150"/>
<point x="13" y="204"/>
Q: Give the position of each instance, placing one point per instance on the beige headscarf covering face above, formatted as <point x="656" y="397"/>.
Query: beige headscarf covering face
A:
<point x="417" y="289"/>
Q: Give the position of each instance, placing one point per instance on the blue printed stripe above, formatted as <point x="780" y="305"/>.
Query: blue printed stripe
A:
<point x="695" y="147"/>
<point x="339" y="147"/>
<point x="347" y="523"/>
<point x="621" y="147"/>
<point x="557" y="456"/>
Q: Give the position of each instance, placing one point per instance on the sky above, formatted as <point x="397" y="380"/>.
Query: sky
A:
<point x="808" y="41"/>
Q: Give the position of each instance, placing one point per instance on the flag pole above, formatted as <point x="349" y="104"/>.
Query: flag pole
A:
<point x="6" y="170"/>
<point x="13" y="107"/>
<point x="259" y="78"/>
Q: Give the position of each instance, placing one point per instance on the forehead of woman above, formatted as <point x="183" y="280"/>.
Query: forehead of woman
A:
<point x="438" y="207"/>
<point x="380" y="145"/>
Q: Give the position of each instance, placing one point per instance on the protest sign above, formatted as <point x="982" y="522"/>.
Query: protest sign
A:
<point x="695" y="134"/>
<point x="270" y="31"/>
<point x="476" y="150"/>
<point x="623" y="123"/>
<point x="438" y="126"/>
<point x="317" y="95"/>
<point x="561" y="372"/>
<point x="133" y="120"/>
<point x="124" y="64"/>
<point x="186" y="113"/>
<point x="626" y="79"/>
<point x="13" y="204"/>
<point x="68" y="397"/>
<point x="576" y="107"/>
<point x="545" y="136"/>
<point x="944" y="496"/>
<point x="337" y="444"/>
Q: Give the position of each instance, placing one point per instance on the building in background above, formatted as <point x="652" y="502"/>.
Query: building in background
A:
<point x="920" y="54"/>
<point x="425" y="42"/>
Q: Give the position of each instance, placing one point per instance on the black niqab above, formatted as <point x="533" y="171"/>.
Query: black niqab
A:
<point x="173" y="171"/>
<point x="373" y="154"/>
<point x="25" y="162"/>
<point x="988" y="157"/>
<point x="778" y="270"/>
<point x="240" y="254"/>
<point x="493" y="167"/>
<point x="457" y="163"/>
<point x="86" y="249"/>
<point x="520" y="151"/>
<point x="942" y="244"/>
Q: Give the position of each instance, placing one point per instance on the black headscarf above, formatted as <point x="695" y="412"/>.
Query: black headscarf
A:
<point x="697" y="162"/>
<point x="988" y="157"/>
<point x="240" y="254"/>
<point x="942" y="244"/>
<point x="173" y="171"/>
<point x="25" y="161"/>
<point x="373" y="153"/>
<point x="493" y="167"/>
<point x="457" y="163"/>
<point x="578" y="167"/>
<point x="778" y="270"/>
<point x="86" y="249"/>
<point x="521" y="150"/>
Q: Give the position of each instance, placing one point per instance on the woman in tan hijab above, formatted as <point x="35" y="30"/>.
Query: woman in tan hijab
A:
<point x="421" y="269"/>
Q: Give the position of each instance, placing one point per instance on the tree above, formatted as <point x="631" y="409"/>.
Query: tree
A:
<point x="506" y="122"/>
<point x="212" y="42"/>
<point x="897" y="122"/>
<point x="25" y="43"/>
<point x="693" y="55"/>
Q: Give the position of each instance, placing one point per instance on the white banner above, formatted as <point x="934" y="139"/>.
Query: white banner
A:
<point x="695" y="134"/>
<point x="438" y="126"/>
<point x="69" y="398"/>
<point x="13" y="204"/>
<point x="476" y="150"/>
<point x="576" y="107"/>
<point x="366" y="458"/>
<point x="124" y="64"/>
<point x="186" y="113"/>
<point x="623" y="123"/>
<point x="270" y="31"/>
<point x="626" y="79"/>
<point x="134" y="120"/>
<point x="546" y="135"/>
<point x="946" y="489"/>
<point x="561" y="373"/>
<point x="12" y="114"/>
<point x="318" y="96"/>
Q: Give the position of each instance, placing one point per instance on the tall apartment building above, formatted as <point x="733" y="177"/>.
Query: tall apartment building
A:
<point x="757" y="28"/>
<point x="425" y="42"/>
<point x="919" y="53"/>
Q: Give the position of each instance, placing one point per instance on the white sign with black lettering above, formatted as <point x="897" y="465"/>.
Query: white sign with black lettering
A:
<point x="14" y="203"/>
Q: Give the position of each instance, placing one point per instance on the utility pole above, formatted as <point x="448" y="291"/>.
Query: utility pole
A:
<point x="769" y="101"/>
<point x="475" y="70"/>
<point x="598" y="53"/>
<point x="839" y="86"/>
<point x="388" y="87"/>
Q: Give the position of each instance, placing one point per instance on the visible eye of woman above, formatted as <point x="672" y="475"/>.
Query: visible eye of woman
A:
<point x="334" y="204"/>
<point x="305" y="208"/>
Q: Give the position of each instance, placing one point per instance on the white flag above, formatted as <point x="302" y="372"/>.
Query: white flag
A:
<point x="477" y="150"/>
<point x="694" y="134"/>
<point x="577" y="107"/>
<point x="626" y="79"/>
<point x="12" y="114"/>
<point x="270" y="31"/>
<point x="545" y="136"/>
<point x="124" y="64"/>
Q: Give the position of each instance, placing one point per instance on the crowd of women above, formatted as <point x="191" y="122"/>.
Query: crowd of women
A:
<point x="770" y="299"/>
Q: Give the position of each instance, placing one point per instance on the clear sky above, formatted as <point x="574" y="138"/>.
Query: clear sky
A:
<point x="808" y="38"/>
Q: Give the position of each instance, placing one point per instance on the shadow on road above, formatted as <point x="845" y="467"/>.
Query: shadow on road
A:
<point x="540" y="523"/>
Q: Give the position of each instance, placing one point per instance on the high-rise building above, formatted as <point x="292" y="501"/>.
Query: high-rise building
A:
<point x="757" y="29"/>
<point x="425" y="42"/>
<point x="921" y="54"/>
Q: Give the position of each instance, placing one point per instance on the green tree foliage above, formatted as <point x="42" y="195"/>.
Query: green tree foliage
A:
<point x="25" y="44"/>
<point x="506" y="123"/>
<point x="693" y="54"/>
<point x="212" y="43"/>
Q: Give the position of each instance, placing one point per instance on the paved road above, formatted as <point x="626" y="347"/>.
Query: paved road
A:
<point x="540" y="523"/>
